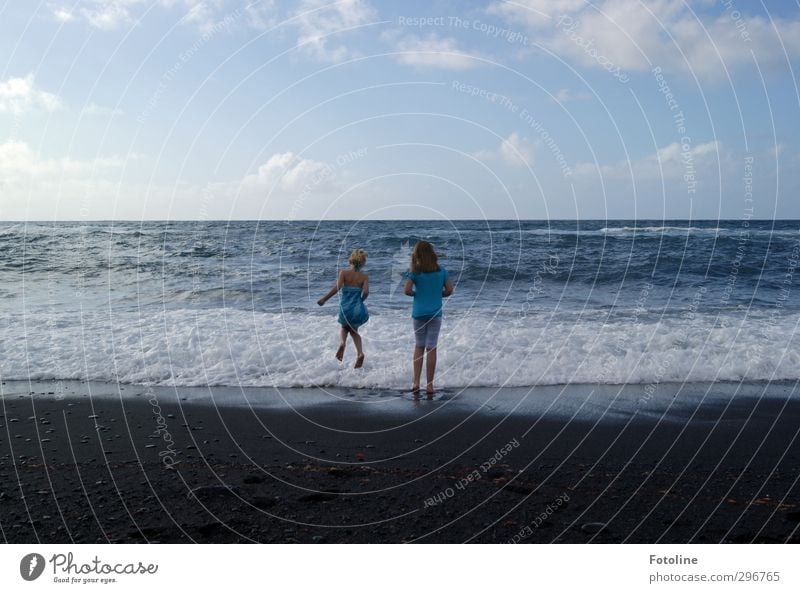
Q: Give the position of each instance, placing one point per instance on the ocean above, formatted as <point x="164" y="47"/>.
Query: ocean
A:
<point x="536" y="302"/>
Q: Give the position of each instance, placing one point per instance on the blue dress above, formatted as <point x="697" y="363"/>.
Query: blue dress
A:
<point x="352" y="310"/>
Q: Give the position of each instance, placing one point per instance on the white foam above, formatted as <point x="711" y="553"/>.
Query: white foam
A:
<point x="234" y="347"/>
<point x="663" y="229"/>
<point x="693" y="230"/>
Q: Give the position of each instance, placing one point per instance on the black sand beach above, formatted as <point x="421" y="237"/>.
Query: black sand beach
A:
<point x="136" y="469"/>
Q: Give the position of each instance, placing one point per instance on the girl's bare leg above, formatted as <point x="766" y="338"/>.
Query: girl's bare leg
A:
<point x="418" y="353"/>
<point x="430" y="369"/>
<point x="342" y="343"/>
<point x="357" y="341"/>
<point x="359" y="351"/>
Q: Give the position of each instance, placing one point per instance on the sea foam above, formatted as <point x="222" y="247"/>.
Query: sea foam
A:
<point x="245" y="348"/>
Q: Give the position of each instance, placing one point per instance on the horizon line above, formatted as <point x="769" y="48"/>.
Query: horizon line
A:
<point x="285" y="220"/>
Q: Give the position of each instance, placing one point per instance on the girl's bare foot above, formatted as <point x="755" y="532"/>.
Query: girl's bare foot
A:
<point x="430" y="392"/>
<point x="340" y="352"/>
<point x="359" y="361"/>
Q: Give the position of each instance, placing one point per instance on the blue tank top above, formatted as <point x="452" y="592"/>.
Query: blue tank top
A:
<point x="427" y="293"/>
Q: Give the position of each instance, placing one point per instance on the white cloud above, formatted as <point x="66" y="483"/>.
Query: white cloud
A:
<point x="20" y="95"/>
<point x="515" y="151"/>
<point x="67" y="188"/>
<point x="315" y="25"/>
<point x="635" y="36"/>
<point x="108" y="15"/>
<point x="668" y="163"/>
<point x="261" y="15"/>
<point x="93" y="109"/>
<point x="108" y="187"/>
<point x="105" y="15"/>
<point x="287" y="172"/>
<point x="534" y="13"/>
<point x="64" y="15"/>
<point x="18" y="161"/>
<point x="431" y="52"/>
<point x="565" y="95"/>
<point x="201" y="15"/>
<point x="317" y="22"/>
<point x="282" y="187"/>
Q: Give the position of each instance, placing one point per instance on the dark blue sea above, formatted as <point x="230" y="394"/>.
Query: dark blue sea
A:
<point x="535" y="303"/>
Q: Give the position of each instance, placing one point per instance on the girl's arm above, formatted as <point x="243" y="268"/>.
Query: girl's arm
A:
<point x="365" y="288"/>
<point x="448" y="288"/>
<point x="409" y="288"/>
<point x="334" y="289"/>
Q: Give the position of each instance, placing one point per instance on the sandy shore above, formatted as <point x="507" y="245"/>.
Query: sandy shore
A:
<point x="140" y="468"/>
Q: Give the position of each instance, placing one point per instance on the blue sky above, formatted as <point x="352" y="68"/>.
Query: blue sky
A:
<point x="179" y="109"/>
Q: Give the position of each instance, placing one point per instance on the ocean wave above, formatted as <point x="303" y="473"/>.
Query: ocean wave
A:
<point x="245" y="348"/>
<point x="663" y="229"/>
<point x="734" y="232"/>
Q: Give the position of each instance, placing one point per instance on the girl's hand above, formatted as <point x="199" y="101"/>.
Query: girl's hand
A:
<point x="321" y="301"/>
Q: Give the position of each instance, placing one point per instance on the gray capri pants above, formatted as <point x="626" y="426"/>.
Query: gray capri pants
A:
<point x="426" y="331"/>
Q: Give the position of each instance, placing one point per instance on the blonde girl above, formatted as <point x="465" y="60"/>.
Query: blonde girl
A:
<point x="352" y="285"/>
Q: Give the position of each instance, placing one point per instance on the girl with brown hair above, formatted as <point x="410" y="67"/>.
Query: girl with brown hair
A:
<point x="428" y="283"/>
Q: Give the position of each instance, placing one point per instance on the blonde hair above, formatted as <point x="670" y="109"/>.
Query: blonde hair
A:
<point x="423" y="258"/>
<point x="357" y="259"/>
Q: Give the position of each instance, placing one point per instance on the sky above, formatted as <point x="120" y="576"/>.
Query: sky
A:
<point x="367" y="109"/>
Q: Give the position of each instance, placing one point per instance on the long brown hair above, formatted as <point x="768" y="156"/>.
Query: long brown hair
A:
<point x="423" y="258"/>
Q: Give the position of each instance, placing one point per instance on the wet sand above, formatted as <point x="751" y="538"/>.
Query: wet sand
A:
<point x="143" y="469"/>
